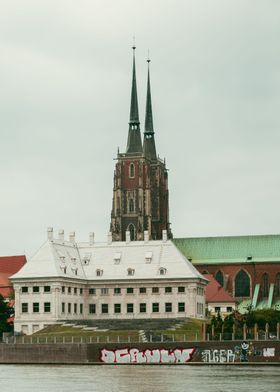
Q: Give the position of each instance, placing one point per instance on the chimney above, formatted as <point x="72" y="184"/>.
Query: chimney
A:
<point x="61" y="235"/>
<point x="72" y="237"/>
<point x="127" y="237"/>
<point x="91" y="238"/>
<point x="109" y="240"/>
<point x="146" y="236"/>
<point x="50" y="233"/>
<point x="164" y="235"/>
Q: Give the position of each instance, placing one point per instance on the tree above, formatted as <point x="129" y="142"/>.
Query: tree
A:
<point x="5" y="312"/>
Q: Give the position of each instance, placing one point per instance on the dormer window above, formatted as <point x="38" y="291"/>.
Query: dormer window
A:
<point x="117" y="258"/>
<point x="148" y="257"/>
<point x="99" y="272"/>
<point x="131" y="170"/>
<point x="74" y="270"/>
<point x="63" y="268"/>
<point x="73" y="259"/>
<point x="162" y="271"/>
<point x="86" y="258"/>
<point x="130" y="272"/>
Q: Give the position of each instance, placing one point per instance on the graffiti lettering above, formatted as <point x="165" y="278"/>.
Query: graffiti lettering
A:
<point x="133" y="355"/>
<point x="218" y="356"/>
<point x="269" y="352"/>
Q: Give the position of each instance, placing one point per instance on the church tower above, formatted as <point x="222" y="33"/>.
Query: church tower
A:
<point x="140" y="194"/>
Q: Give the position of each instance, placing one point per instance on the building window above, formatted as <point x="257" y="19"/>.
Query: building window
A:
<point x="277" y="285"/>
<point x="75" y="308"/>
<point x="69" y="290"/>
<point x="168" y="290"/>
<point x="130" y="272"/>
<point x="36" y="289"/>
<point x="242" y="284"/>
<point x="104" y="291"/>
<point x="62" y="307"/>
<point x="162" y="271"/>
<point x="155" y="307"/>
<point x="117" y="308"/>
<point x="117" y="290"/>
<point x="24" y="289"/>
<point x="75" y="290"/>
<point x="24" y="307"/>
<point x="229" y="309"/>
<point x="181" y="306"/>
<point x="129" y="308"/>
<point x="47" y="289"/>
<point x="131" y="205"/>
<point x="142" y="290"/>
<point x="217" y="309"/>
<point x="181" y="289"/>
<point x="47" y="307"/>
<point x="143" y="308"/>
<point x="220" y="278"/>
<point x="99" y="272"/>
<point x="104" y="308"/>
<point x="132" y="231"/>
<point x="92" y="291"/>
<point x="81" y="308"/>
<point x="265" y="285"/>
<point x="69" y="308"/>
<point x="155" y="290"/>
<point x="36" y="307"/>
<point x="63" y="289"/>
<point x="81" y="291"/>
<point x="168" y="307"/>
<point x="131" y="170"/>
<point x="199" y="308"/>
<point x="129" y="290"/>
<point x="92" y="308"/>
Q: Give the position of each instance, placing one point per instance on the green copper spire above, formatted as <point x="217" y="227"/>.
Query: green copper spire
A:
<point x="149" y="141"/>
<point x="134" y="143"/>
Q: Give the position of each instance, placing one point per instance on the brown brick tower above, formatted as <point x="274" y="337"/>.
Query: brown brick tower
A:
<point x="140" y="194"/>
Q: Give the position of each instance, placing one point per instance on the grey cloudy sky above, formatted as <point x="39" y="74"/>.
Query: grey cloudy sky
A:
<point x="65" y="69"/>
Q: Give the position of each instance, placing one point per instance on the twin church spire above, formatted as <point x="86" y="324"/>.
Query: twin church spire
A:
<point x="134" y="144"/>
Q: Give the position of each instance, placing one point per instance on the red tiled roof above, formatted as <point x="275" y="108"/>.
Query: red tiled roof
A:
<point x="11" y="264"/>
<point x="215" y="292"/>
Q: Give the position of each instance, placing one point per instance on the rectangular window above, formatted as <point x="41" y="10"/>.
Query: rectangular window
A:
<point x="75" y="308"/>
<point x="129" y="290"/>
<point x="129" y="308"/>
<point x="168" y="307"/>
<point x="142" y="290"/>
<point x="63" y="289"/>
<point x="24" y="307"/>
<point x="181" y="289"/>
<point x="229" y="309"/>
<point x="143" y="308"/>
<point x="117" y="290"/>
<point x="69" y="290"/>
<point x="104" y="291"/>
<point x="92" y="308"/>
<point x="36" y="307"/>
<point x="69" y="308"/>
<point x="168" y="290"/>
<point x="155" y="307"/>
<point x="181" y="306"/>
<point x="75" y="290"/>
<point x="155" y="290"/>
<point x="92" y="291"/>
<point x="217" y="309"/>
<point x="24" y="289"/>
<point x="81" y="291"/>
<point x="35" y="289"/>
<point x="62" y="307"/>
<point x="117" y="308"/>
<point x="47" y="289"/>
<point x="47" y="307"/>
<point x="81" y="308"/>
<point x="104" y="308"/>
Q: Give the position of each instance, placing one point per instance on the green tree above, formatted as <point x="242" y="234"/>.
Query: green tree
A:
<point x="5" y="312"/>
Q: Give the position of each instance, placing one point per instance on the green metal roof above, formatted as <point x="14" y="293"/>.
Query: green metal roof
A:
<point x="233" y="249"/>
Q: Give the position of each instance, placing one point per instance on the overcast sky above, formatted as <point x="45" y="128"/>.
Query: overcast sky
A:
<point x="65" y="69"/>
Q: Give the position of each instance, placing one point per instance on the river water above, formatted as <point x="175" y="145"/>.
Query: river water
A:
<point x="110" y="378"/>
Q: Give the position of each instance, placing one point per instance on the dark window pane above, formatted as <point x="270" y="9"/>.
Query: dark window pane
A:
<point x="129" y="308"/>
<point x="220" y="278"/>
<point x="92" y="308"/>
<point x="143" y="308"/>
<point x="47" y="307"/>
<point x="242" y="284"/>
<point x="104" y="308"/>
<point x="36" y="308"/>
<point x="117" y="308"/>
<point x="168" y="306"/>
<point x="155" y="307"/>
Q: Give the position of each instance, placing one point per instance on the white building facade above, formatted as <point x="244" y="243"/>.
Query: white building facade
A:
<point x="66" y="281"/>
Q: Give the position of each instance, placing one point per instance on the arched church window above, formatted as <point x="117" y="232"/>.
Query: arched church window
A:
<point x="131" y="170"/>
<point x="277" y="285"/>
<point x="265" y="285"/>
<point x="132" y="231"/>
<point x="242" y="284"/>
<point x="220" y="278"/>
<point x="131" y="205"/>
